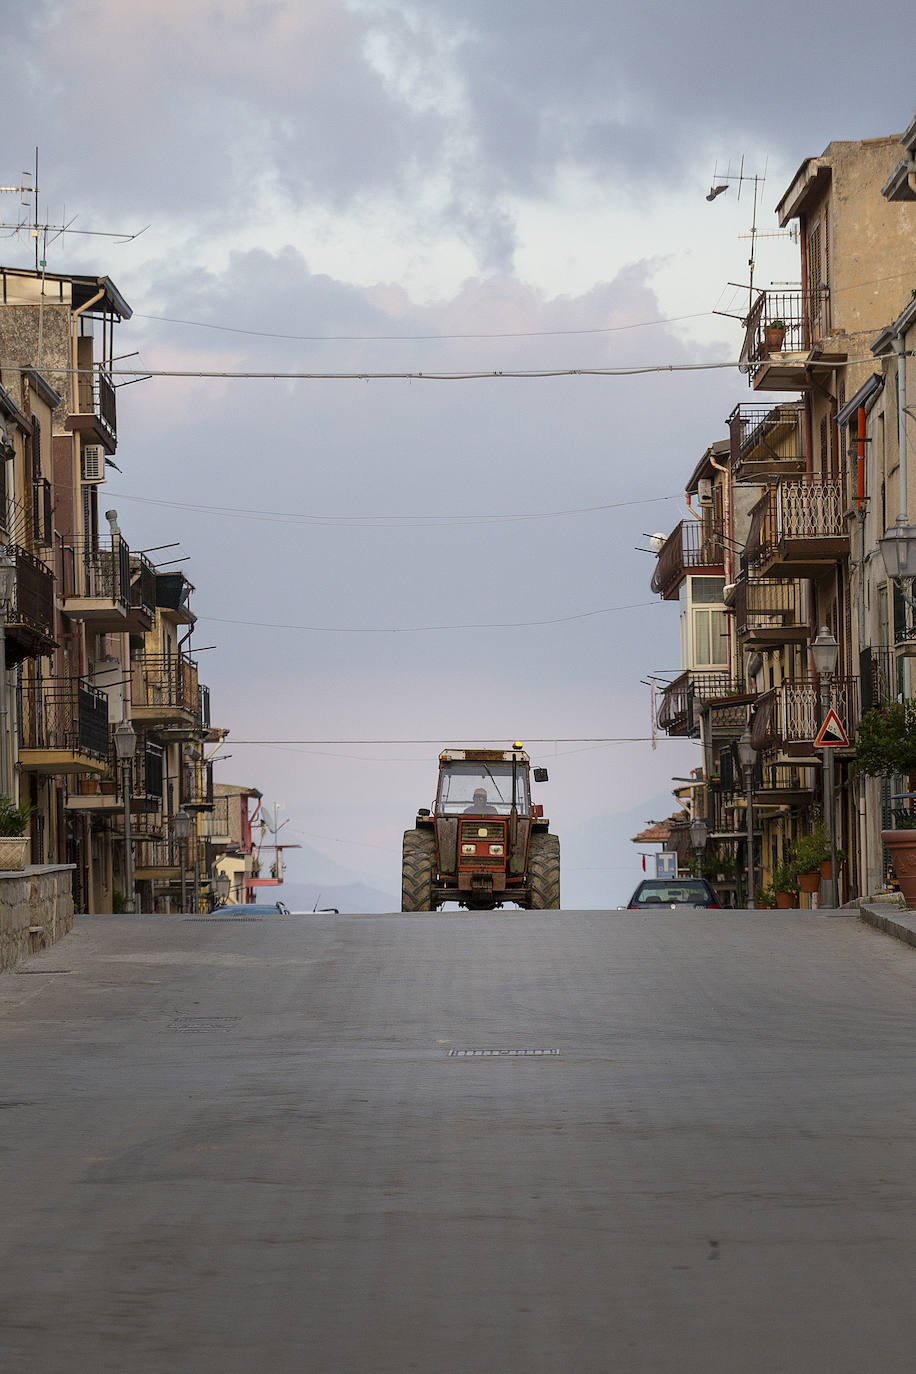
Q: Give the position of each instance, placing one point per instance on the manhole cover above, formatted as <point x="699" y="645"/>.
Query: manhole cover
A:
<point x="204" y="1023"/>
<point x="500" y="1054"/>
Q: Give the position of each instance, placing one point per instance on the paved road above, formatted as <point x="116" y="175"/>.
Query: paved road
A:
<point x="260" y="1146"/>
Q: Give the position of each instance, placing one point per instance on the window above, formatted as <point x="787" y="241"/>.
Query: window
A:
<point x="707" y="624"/>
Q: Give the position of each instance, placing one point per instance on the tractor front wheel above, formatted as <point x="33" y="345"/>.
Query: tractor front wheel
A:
<point x="418" y="871"/>
<point x="544" y="873"/>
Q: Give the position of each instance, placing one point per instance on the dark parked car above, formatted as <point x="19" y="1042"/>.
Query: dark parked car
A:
<point x="672" y="892"/>
<point x="253" y="909"/>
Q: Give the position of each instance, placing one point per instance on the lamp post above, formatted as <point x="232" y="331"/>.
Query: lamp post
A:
<point x="221" y="886"/>
<point x="825" y="651"/>
<point x="181" y="829"/>
<point x="747" y="756"/>
<point x="125" y="738"/>
<point x="699" y="834"/>
<point x="7" y="588"/>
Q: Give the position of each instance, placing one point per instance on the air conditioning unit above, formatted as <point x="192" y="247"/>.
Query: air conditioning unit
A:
<point x="704" y="491"/>
<point x="93" y="463"/>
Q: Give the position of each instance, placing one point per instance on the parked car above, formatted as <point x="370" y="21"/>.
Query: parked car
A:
<point x="672" y="892"/>
<point x="254" y="909"/>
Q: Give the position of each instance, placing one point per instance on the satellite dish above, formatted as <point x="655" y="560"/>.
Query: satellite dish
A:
<point x="658" y="542"/>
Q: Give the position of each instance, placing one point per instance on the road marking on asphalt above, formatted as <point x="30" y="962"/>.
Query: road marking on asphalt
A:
<point x="500" y="1054"/>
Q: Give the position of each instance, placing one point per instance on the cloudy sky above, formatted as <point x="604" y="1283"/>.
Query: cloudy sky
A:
<point x="381" y="187"/>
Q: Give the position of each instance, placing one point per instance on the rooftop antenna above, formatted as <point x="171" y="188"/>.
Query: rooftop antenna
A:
<point x="720" y="183"/>
<point x="28" y="188"/>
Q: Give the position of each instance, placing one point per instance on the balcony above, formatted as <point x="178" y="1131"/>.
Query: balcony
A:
<point x="164" y="692"/>
<point x="775" y="784"/>
<point x="689" y="547"/>
<point x="96" y="415"/>
<point x="214" y="824"/>
<point x="197" y="792"/>
<point x="96" y="583"/>
<point x="63" y="727"/>
<point x="767" y="441"/>
<point x="769" y="611"/>
<point x="796" y="361"/>
<point x="683" y="700"/>
<point x="159" y="858"/>
<point x="880" y="677"/>
<point x="30" y="618"/>
<point x="797" y="528"/>
<point x="788" y="718"/>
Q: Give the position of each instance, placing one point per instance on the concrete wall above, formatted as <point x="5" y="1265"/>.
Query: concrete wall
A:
<point x="36" y="908"/>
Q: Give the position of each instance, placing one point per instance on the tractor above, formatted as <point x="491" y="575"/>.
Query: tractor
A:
<point x="484" y="843"/>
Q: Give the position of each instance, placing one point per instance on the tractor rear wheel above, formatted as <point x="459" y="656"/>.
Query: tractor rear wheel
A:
<point x="418" y="871"/>
<point x="544" y="873"/>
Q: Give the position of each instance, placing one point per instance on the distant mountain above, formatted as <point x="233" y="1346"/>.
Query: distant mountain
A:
<point x="347" y="897"/>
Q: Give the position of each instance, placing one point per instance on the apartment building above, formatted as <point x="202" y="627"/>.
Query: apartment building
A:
<point x="94" y="634"/>
<point x="788" y="514"/>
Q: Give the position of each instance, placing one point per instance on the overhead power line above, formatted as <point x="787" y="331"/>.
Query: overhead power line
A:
<point x="423" y="629"/>
<point x="384" y="521"/>
<point x="466" y="376"/>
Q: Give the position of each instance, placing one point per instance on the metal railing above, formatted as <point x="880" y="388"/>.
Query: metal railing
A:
<point x="803" y="315"/>
<point x="792" y="713"/>
<point x="795" y="509"/>
<point x="142" y="584"/>
<point x="95" y="393"/>
<point x="766" y="436"/>
<point x="684" y="698"/>
<point x="688" y="546"/>
<point x="880" y="677"/>
<point x="33" y="594"/>
<point x="164" y="853"/>
<point x="767" y="606"/>
<point x="63" y="714"/>
<point x="159" y="680"/>
<point x="214" y="825"/>
<point x="96" y="568"/>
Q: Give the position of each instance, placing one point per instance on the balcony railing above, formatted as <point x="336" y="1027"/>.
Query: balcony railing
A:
<point x="804" y="315"/>
<point x="880" y="677"/>
<point x="95" y="393"/>
<point x="684" y="699"/>
<point x="766" y="440"/>
<point x="770" y="610"/>
<point x="214" y="824"/>
<point x="32" y="605"/>
<point x="795" y="509"/>
<point x="164" y="853"/>
<point x="142" y="585"/>
<point x="197" y="788"/>
<point x="166" y="683"/>
<point x="792" y="713"/>
<point x="63" y="714"/>
<point x="97" y="569"/>
<point x="688" y="546"/>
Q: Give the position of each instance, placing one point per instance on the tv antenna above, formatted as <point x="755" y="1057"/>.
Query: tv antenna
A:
<point x="721" y="181"/>
<point x="27" y="190"/>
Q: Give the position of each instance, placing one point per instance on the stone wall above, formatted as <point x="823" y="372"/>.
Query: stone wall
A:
<point x="36" y="908"/>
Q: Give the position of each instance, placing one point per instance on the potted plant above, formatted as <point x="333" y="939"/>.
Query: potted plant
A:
<point x="765" y="898"/>
<point x="808" y="853"/>
<point x="785" y="886"/>
<point x="14" y="822"/>
<point x="774" y="335"/>
<point x="108" y="784"/>
<point x="886" y="744"/>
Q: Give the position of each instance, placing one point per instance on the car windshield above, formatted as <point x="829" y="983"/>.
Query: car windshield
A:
<point x="483" y="789"/>
<point x="683" y="891"/>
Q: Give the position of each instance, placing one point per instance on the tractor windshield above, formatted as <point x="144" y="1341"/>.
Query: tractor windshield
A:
<point x="481" y="789"/>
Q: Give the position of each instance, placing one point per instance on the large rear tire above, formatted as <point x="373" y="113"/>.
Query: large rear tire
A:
<point x="544" y="873"/>
<point x="418" y="871"/>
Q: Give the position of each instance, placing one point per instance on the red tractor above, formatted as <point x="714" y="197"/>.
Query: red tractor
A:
<point x="484" y="843"/>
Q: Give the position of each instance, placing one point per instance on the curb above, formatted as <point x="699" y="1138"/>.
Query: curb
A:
<point x="899" y="924"/>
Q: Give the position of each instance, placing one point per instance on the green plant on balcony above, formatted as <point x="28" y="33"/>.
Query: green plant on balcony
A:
<point x="810" y="851"/>
<point x="765" y="897"/>
<point x="785" y="879"/>
<point x="14" y="819"/>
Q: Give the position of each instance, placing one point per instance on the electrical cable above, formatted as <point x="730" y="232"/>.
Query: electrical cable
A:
<point x="423" y="629"/>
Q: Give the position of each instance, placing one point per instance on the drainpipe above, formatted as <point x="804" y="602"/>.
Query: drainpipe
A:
<point x="897" y="343"/>
<point x="729" y="538"/>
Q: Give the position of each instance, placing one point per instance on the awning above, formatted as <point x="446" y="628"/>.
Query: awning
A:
<point x="866" y="392"/>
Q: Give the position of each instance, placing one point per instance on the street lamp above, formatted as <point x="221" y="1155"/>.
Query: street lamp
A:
<point x="181" y="829"/>
<point x="747" y="756"/>
<point x="825" y="652"/>
<point x="222" y="884"/>
<point x="7" y="589"/>
<point x="125" y="738"/>
<point x="699" y="834"/>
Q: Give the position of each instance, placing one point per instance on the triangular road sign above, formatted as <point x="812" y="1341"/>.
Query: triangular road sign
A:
<point x="831" y="734"/>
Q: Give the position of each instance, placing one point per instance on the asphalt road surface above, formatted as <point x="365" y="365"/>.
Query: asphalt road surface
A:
<point x="587" y="1142"/>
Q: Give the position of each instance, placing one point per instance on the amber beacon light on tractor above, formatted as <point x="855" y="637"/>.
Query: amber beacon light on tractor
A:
<point x="485" y="843"/>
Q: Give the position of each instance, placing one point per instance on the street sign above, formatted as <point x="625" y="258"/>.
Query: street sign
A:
<point x="831" y="734"/>
<point x="666" y="864"/>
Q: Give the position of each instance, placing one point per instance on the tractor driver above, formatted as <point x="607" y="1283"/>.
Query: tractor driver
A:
<point x="480" y="806"/>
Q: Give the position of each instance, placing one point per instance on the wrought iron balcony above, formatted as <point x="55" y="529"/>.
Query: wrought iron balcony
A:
<point x="790" y="716"/>
<point x="769" y="611"/>
<point x="164" y="691"/>
<point x="214" y="824"/>
<point x="63" y="726"/>
<point x="95" y="585"/>
<point x="796" y="527"/>
<point x="880" y="677"/>
<point x="687" y="696"/>
<point x="766" y="440"/>
<point x="30" y="616"/>
<point x="781" y="337"/>
<point x="690" y="545"/>
<point x="160" y="858"/>
<point x="96" y="414"/>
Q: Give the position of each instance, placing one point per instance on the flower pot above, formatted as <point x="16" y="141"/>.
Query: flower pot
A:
<point x="826" y="870"/>
<point x="785" y="901"/>
<point x="809" y="882"/>
<point x="89" y="787"/>
<point x="108" y="787"/>
<point x="773" y="338"/>
<point x="901" y="845"/>
<point x="13" y="849"/>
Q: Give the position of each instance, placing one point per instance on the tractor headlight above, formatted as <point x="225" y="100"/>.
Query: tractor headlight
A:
<point x="496" y="849"/>
<point x="469" y="849"/>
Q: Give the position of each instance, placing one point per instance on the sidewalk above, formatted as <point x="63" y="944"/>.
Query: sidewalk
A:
<point x="892" y="919"/>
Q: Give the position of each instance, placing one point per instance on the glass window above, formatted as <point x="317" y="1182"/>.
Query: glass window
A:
<point x="707" y="591"/>
<point x="710" y="639"/>
<point x="483" y="789"/>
